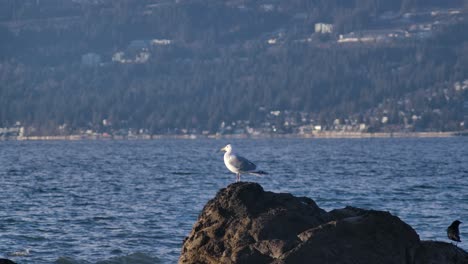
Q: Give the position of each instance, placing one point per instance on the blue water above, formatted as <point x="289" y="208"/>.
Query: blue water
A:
<point x="90" y="201"/>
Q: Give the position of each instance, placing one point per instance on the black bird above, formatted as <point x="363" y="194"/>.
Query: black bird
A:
<point x="452" y="231"/>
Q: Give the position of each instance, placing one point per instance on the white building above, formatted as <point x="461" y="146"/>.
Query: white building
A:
<point x="142" y="57"/>
<point x="161" y="42"/>
<point x="323" y="28"/>
<point x="118" y="57"/>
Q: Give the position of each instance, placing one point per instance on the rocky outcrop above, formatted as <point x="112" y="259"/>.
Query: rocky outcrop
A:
<point x="6" y="261"/>
<point x="435" y="252"/>
<point x="245" y="224"/>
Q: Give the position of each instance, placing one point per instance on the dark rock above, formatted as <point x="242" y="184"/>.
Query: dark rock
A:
<point x="6" y="261"/>
<point x="434" y="252"/>
<point x="245" y="224"/>
<point x="371" y="237"/>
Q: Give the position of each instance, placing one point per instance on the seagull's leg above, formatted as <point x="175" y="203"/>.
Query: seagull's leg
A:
<point x="237" y="177"/>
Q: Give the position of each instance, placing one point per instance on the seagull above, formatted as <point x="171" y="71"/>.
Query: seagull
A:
<point x="452" y="231"/>
<point x="239" y="165"/>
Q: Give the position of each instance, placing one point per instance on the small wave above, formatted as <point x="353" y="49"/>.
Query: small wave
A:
<point x="66" y="260"/>
<point x="181" y="173"/>
<point x="21" y="253"/>
<point x="14" y="172"/>
<point x="422" y="186"/>
<point x="103" y="218"/>
<point x="139" y="258"/>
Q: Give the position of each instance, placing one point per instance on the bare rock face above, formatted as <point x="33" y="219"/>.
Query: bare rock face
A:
<point x="245" y="224"/>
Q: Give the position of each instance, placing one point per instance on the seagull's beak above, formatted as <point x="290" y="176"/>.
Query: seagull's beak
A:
<point x="223" y="149"/>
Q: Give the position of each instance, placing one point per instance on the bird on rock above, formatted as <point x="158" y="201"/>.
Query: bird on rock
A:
<point x="453" y="233"/>
<point x="238" y="164"/>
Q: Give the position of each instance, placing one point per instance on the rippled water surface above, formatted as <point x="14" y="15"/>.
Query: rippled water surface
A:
<point x="89" y="201"/>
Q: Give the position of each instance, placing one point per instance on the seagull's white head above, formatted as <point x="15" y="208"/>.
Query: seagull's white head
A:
<point x="227" y="148"/>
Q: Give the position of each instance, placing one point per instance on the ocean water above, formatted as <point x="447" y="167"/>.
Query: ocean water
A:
<point x="135" y="201"/>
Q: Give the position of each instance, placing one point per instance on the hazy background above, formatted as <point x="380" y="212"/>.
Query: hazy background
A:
<point x="240" y="66"/>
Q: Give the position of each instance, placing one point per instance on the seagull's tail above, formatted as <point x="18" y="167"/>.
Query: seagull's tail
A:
<point x="258" y="173"/>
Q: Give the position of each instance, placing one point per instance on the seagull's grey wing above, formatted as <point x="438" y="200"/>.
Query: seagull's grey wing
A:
<point x="241" y="163"/>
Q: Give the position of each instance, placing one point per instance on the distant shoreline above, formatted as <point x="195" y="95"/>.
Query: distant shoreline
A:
<point x="324" y="135"/>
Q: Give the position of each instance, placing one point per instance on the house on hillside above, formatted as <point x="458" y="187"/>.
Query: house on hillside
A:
<point x="272" y="41"/>
<point x="138" y="51"/>
<point x="323" y="28"/>
<point x="163" y="42"/>
<point x="119" y="57"/>
<point x="142" y="57"/>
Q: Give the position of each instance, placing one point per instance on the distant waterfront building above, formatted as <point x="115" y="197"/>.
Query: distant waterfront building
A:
<point x="323" y="28"/>
<point x="11" y="132"/>
<point x="91" y="59"/>
<point x="373" y="36"/>
<point x="362" y="127"/>
<point x="351" y="37"/>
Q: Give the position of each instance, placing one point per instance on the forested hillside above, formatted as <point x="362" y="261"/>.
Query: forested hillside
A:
<point x="170" y="67"/>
